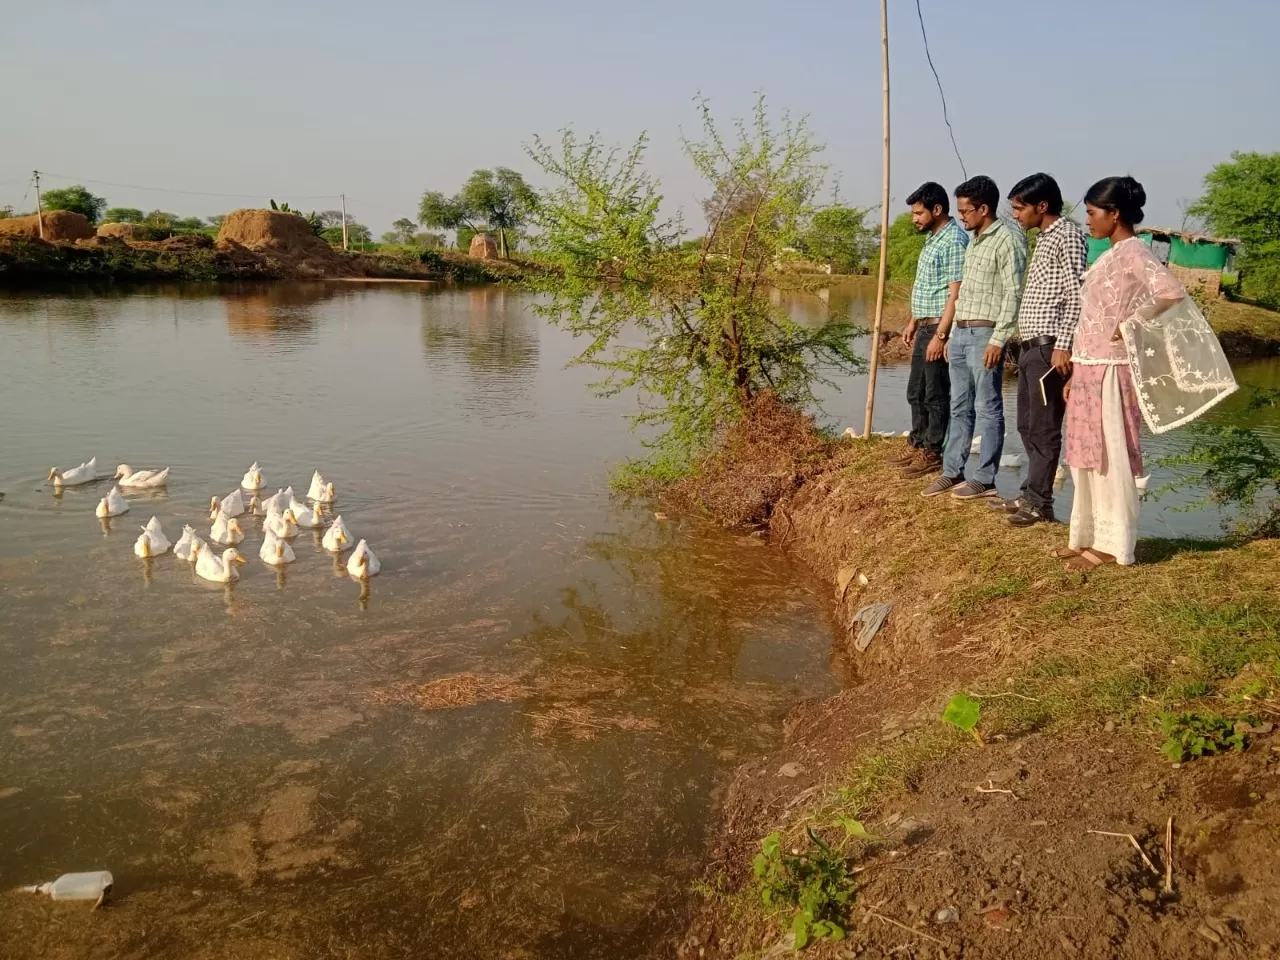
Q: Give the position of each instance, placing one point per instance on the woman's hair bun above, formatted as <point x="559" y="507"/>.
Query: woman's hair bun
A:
<point x="1124" y="195"/>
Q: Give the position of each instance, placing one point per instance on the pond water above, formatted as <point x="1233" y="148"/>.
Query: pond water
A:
<point x="257" y="764"/>
<point x="506" y="745"/>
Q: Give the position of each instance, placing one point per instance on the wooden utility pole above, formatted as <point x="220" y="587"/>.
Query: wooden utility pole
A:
<point x="884" y="224"/>
<point x="39" y="206"/>
<point x="344" y="221"/>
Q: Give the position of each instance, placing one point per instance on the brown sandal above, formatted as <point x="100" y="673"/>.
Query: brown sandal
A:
<point x="1088" y="560"/>
<point x="1064" y="553"/>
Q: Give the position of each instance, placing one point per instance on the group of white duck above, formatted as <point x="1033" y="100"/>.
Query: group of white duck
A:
<point x="283" y="516"/>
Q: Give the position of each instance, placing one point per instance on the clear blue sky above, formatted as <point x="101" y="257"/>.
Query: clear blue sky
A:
<point x="385" y="98"/>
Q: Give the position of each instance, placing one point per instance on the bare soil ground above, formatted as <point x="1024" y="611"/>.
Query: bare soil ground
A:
<point x="1073" y="672"/>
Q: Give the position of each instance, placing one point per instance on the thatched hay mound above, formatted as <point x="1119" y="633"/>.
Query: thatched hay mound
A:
<point x="272" y="231"/>
<point x="58" y="225"/>
<point x="125" y="231"/>
<point x="762" y="458"/>
<point x="483" y="247"/>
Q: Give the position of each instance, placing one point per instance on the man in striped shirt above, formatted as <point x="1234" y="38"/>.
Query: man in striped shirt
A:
<point x="1047" y="323"/>
<point x="933" y="304"/>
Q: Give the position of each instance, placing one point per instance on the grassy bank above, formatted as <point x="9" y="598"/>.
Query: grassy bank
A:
<point x="1108" y="669"/>
<point x="36" y="263"/>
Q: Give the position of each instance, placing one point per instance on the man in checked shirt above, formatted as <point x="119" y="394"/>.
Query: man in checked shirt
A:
<point x="1047" y="322"/>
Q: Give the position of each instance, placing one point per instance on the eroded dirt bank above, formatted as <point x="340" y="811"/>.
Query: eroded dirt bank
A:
<point x="1075" y="675"/>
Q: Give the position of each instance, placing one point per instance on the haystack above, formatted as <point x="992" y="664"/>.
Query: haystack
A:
<point x="483" y="247"/>
<point x="270" y="230"/>
<point x="125" y="231"/>
<point x="58" y="225"/>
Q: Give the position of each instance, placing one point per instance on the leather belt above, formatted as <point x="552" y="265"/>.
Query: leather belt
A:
<point x="967" y="324"/>
<point x="1045" y="340"/>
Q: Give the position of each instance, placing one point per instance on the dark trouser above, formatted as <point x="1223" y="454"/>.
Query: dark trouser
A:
<point x="1040" y="422"/>
<point x="929" y="393"/>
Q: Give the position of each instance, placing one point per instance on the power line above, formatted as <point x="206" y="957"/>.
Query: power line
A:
<point x="928" y="56"/>
<point x="194" y="193"/>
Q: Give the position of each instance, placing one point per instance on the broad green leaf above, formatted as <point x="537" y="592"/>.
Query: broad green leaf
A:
<point x="962" y="711"/>
<point x="800" y="927"/>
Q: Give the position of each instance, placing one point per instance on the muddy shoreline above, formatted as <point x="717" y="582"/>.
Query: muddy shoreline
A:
<point x="1071" y="671"/>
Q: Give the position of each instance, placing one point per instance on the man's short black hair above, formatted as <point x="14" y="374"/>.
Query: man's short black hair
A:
<point x="979" y="190"/>
<point x="1038" y="188"/>
<point x="931" y="195"/>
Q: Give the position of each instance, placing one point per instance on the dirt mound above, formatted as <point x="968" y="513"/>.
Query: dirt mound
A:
<point x="125" y="231"/>
<point x="187" y="241"/>
<point x="58" y="225"/>
<point x="762" y="458"/>
<point x="483" y="247"/>
<point x="270" y="230"/>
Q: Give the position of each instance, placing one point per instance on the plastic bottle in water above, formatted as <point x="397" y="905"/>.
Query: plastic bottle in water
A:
<point x="95" y="885"/>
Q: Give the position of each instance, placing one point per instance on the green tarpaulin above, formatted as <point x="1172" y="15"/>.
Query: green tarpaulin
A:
<point x="1098" y="247"/>
<point x="1197" y="254"/>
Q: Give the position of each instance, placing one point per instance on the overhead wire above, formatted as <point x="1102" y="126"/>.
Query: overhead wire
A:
<point x="938" y="80"/>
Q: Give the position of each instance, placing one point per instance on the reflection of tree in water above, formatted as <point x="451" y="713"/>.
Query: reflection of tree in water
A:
<point x="486" y="328"/>
<point x="279" y="312"/>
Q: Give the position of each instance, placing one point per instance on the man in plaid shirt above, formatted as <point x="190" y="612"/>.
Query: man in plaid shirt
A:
<point x="933" y="304"/>
<point x="986" y="317"/>
<point x="1046" y="325"/>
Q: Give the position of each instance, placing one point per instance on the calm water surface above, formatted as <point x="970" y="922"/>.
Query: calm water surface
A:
<point x="251" y="762"/>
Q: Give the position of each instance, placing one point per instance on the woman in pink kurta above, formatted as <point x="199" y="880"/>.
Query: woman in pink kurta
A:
<point x="1126" y="302"/>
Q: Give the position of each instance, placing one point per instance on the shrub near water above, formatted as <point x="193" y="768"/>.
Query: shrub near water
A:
<point x="694" y="328"/>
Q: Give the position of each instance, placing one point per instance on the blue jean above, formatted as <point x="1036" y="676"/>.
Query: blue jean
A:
<point x="977" y="406"/>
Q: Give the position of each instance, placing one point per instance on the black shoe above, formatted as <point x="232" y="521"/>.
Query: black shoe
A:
<point x="1029" y="516"/>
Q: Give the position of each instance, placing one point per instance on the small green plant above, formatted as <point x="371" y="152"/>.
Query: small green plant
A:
<point x="1192" y="735"/>
<point x="963" y="712"/>
<point x="815" y="884"/>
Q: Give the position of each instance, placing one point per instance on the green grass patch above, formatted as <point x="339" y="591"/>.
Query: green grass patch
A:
<point x="972" y="599"/>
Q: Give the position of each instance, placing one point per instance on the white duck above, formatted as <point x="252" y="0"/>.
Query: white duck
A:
<point x="278" y="503"/>
<point x="85" y="473"/>
<point x="152" y="542"/>
<point x="275" y="551"/>
<point x="126" y="476"/>
<point x="188" y="544"/>
<point x="219" y="569"/>
<point x="320" y="491"/>
<point x="307" y="517"/>
<point x="282" y="524"/>
<point x="232" y="505"/>
<point x="336" y="538"/>
<point x="112" y="505"/>
<point x="253" y="478"/>
<point x="363" y="563"/>
<point x="226" y="531"/>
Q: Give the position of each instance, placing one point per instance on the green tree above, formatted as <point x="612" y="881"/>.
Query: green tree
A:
<point x="497" y="200"/>
<point x="122" y="215"/>
<point x="75" y="199"/>
<point x="402" y="231"/>
<point x="696" y="332"/>
<point x="840" y="236"/>
<point x="905" y="244"/>
<point x="1242" y="201"/>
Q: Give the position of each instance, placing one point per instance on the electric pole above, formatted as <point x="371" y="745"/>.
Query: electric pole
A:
<point x="39" y="208"/>
<point x="884" y="224"/>
<point x="344" y="221"/>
